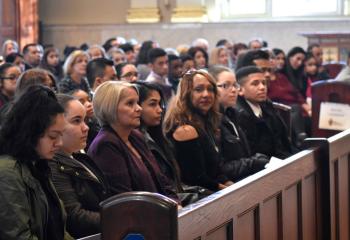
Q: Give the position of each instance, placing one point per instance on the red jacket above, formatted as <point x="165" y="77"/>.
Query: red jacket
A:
<point x="281" y="90"/>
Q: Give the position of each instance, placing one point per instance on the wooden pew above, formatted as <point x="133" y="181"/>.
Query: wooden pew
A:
<point x="279" y="203"/>
<point x="327" y="91"/>
<point x="307" y="197"/>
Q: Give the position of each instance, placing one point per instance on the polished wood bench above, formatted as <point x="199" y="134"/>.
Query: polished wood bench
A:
<point x="307" y="197"/>
<point x="278" y="203"/>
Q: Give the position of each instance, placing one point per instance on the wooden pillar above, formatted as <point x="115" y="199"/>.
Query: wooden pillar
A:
<point x="19" y="21"/>
<point x="28" y="22"/>
<point x="8" y="20"/>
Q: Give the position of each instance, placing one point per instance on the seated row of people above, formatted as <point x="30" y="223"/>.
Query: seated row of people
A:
<point x="209" y="151"/>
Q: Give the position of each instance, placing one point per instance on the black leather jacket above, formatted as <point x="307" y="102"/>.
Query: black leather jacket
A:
<point x="81" y="192"/>
<point x="238" y="161"/>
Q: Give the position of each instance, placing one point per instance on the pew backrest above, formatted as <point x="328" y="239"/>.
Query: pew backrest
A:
<point x="327" y="91"/>
<point x="150" y="215"/>
<point x="285" y="113"/>
<point x="333" y="69"/>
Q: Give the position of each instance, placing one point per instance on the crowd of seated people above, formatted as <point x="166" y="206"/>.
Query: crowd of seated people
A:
<point x="123" y="116"/>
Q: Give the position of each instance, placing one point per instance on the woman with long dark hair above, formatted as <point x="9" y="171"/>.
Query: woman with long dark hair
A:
<point x="192" y="124"/>
<point x="200" y="57"/>
<point x="29" y="137"/>
<point x="51" y="62"/>
<point x="290" y="88"/>
<point x="152" y="102"/>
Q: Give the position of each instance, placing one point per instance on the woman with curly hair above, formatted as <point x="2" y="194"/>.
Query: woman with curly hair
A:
<point x="29" y="138"/>
<point x="191" y="123"/>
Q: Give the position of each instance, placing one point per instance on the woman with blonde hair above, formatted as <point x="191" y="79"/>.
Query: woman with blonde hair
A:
<point x="219" y="56"/>
<point x="192" y="123"/>
<point x="75" y="73"/>
<point x="120" y="150"/>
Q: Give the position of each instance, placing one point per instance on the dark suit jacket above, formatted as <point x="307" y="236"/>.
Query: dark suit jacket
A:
<point x="268" y="134"/>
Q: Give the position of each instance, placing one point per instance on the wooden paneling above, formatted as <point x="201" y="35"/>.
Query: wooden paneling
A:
<point x="340" y="184"/>
<point x="291" y="209"/>
<point x="309" y="207"/>
<point x="223" y="231"/>
<point x="246" y="225"/>
<point x="271" y="218"/>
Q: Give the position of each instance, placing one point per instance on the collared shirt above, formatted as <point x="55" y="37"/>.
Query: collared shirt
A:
<point x="154" y="77"/>
<point x="163" y="83"/>
<point x="255" y="108"/>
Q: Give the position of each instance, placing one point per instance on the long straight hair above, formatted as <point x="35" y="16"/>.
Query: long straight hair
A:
<point x="181" y="110"/>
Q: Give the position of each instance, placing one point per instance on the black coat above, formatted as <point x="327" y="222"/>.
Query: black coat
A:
<point x="268" y="134"/>
<point x="80" y="192"/>
<point x="164" y="160"/>
<point x="238" y="160"/>
<point x="199" y="161"/>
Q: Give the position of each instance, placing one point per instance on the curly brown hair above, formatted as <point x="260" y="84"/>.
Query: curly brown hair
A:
<point x="181" y="111"/>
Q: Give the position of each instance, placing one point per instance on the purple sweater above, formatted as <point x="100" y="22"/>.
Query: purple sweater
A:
<point x="123" y="170"/>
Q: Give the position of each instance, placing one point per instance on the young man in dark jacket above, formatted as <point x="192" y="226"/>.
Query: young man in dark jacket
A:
<point x="265" y="130"/>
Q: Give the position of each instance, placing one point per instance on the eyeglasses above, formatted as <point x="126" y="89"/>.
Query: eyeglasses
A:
<point x="130" y="74"/>
<point x="11" y="77"/>
<point x="228" y="86"/>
